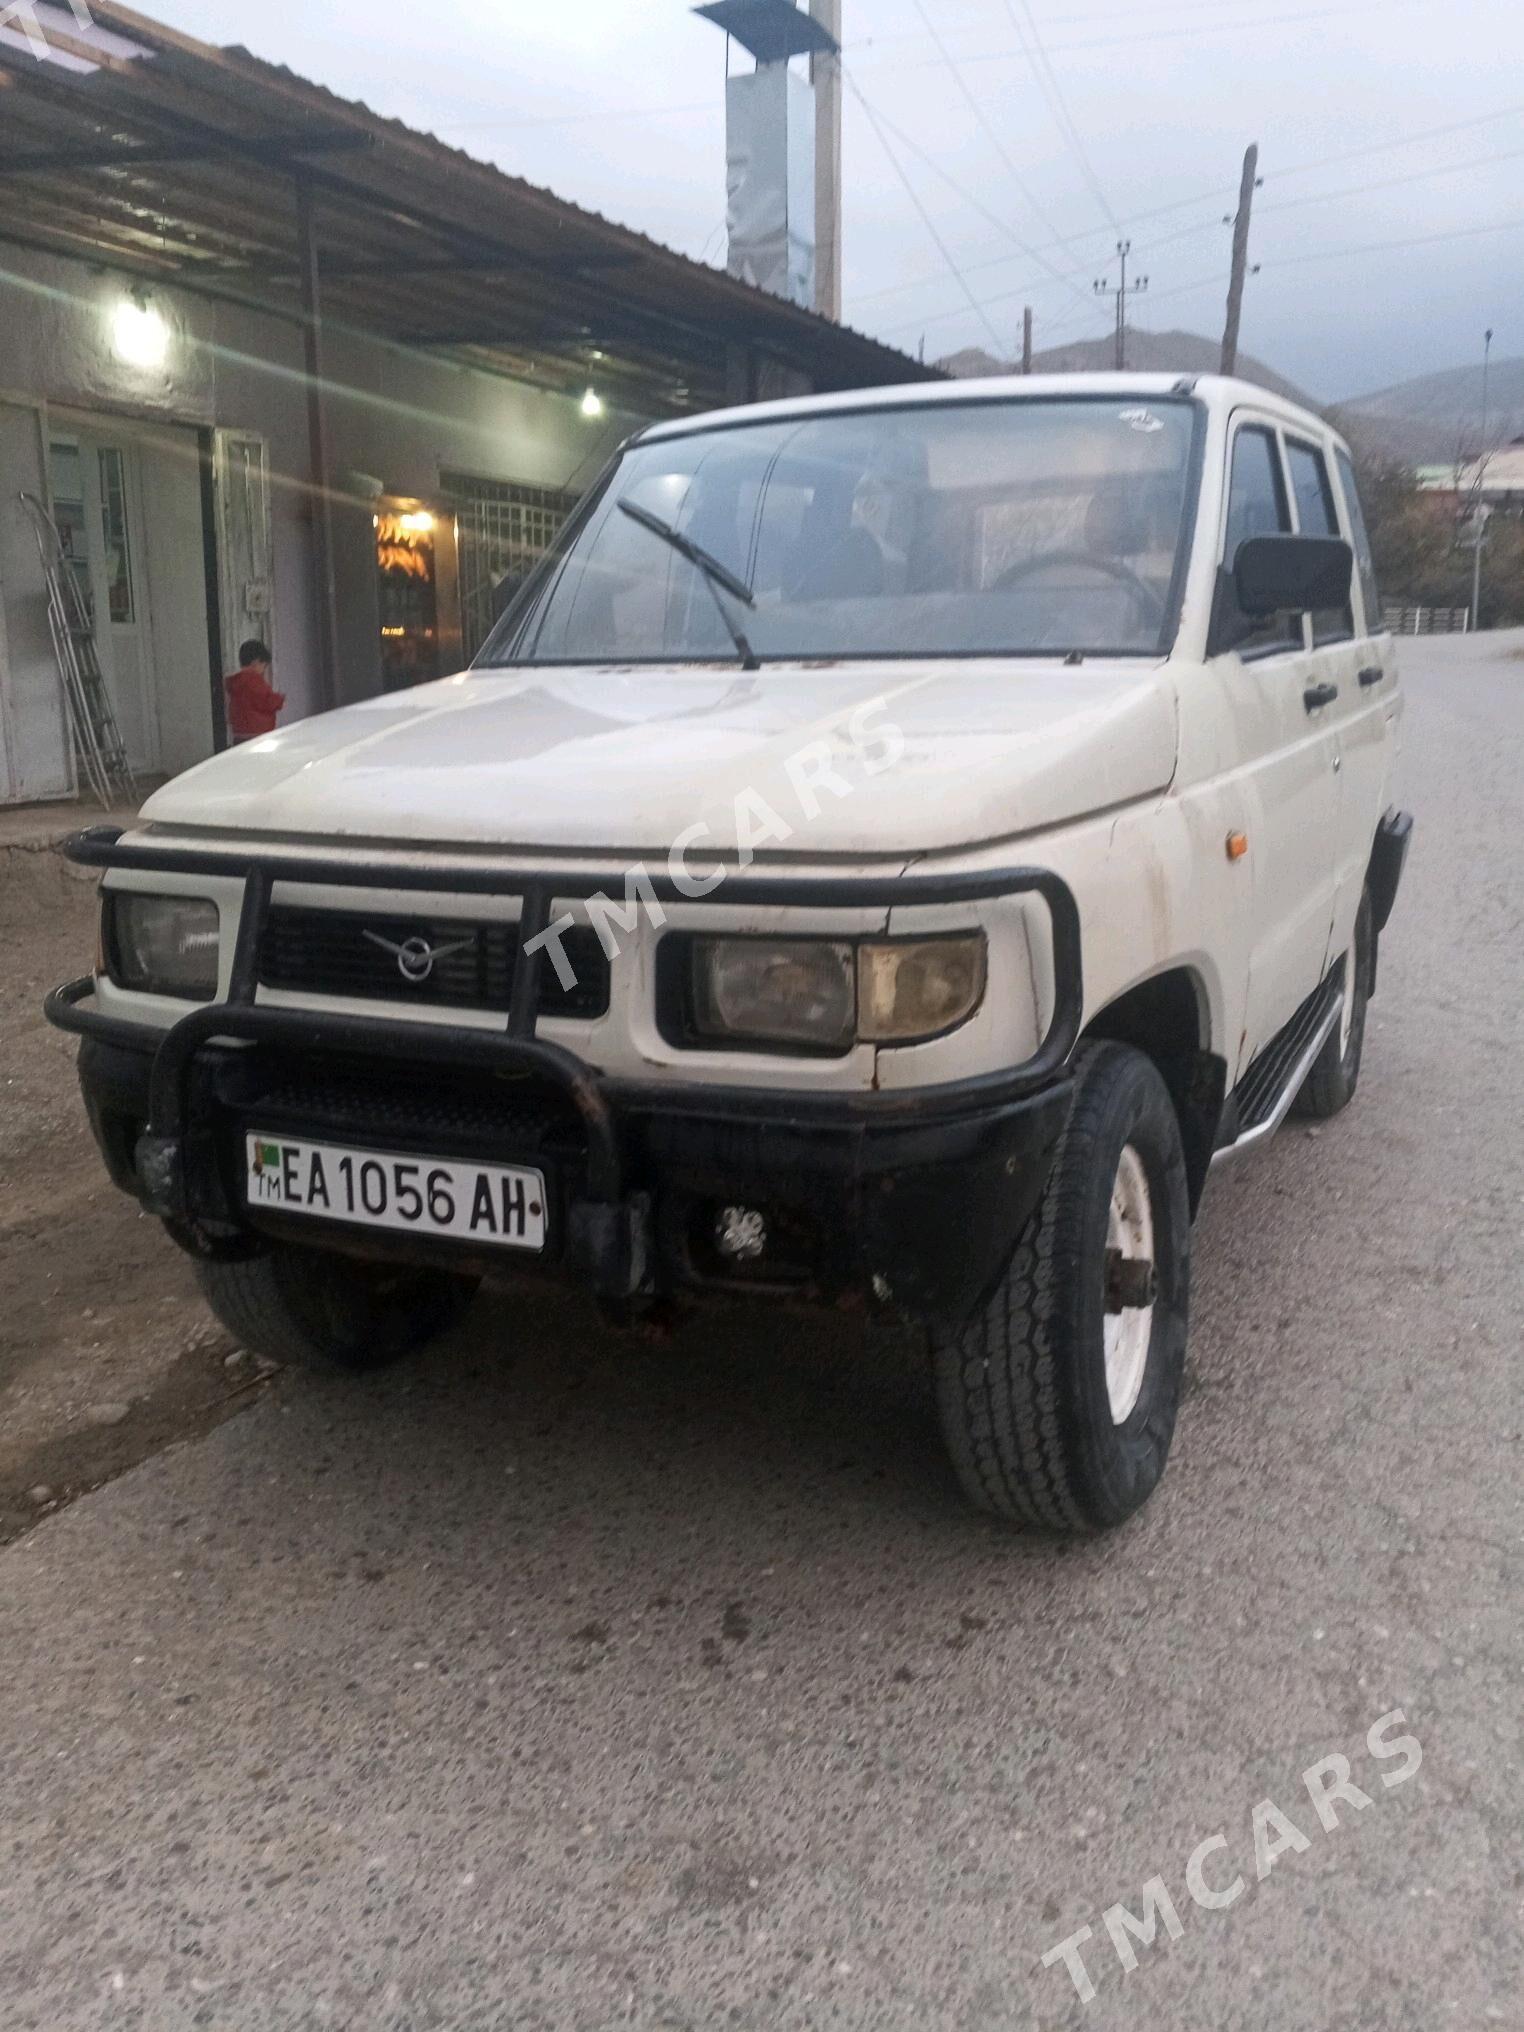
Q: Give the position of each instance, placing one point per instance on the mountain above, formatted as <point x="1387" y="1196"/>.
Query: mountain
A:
<point x="1153" y="352"/>
<point x="1426" y="420"/>
<point x="1419" y="422"/>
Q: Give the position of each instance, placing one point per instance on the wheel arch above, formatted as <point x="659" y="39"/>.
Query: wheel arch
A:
<point x="1167" y="1016"/>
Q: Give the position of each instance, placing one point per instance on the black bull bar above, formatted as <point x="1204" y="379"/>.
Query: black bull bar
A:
<point x="596" y="1099"/>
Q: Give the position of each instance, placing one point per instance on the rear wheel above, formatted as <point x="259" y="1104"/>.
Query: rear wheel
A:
<point x="1335" y="1073"/>
<point x="311" y="1309"/>
<point x="1058" y="1400"/>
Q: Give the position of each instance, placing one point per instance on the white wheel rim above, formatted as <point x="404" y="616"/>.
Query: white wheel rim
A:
<point x="1351" y="971"/>
<point x="1129" y="1333"/>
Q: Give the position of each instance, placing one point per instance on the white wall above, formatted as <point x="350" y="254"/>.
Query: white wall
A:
<point x="398" y="417"/>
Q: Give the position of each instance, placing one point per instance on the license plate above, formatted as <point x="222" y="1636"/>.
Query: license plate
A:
<point x="501" y="1203"/>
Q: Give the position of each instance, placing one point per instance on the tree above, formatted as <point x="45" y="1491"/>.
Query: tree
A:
<point x="1416" y="540"/>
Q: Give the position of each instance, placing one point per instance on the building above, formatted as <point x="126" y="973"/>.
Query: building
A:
<point x="1496" y="481"/>
<point x="277" y="366"/>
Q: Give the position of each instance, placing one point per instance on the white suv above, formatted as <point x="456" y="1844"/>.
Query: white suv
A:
<point x="888" y="850"/>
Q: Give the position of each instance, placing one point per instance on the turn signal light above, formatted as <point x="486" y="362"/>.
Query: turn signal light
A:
<point x="1238" y="846"/>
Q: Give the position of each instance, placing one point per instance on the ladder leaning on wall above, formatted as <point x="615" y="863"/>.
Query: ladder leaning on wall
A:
<point x="98" y="748"/>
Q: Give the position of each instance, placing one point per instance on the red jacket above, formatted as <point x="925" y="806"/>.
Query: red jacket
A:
<point x="253" y="703"/>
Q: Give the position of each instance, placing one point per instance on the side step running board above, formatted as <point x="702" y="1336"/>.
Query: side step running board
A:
<point x="1271" y="1114"/>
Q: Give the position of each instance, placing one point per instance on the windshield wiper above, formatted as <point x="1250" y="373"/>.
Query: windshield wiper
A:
<point x="713" y="572"/>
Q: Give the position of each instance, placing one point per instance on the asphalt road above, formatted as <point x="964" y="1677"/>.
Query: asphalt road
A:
<point x="554" y="1685"/>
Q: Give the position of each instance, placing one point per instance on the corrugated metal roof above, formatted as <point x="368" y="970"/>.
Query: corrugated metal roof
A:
<point x="178" y="163"/>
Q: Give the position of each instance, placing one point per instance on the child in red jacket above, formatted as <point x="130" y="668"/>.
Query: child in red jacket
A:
<point x="253" y="701"/>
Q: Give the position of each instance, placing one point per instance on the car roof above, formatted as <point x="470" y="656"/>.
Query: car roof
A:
<point x="1217" y="391"/>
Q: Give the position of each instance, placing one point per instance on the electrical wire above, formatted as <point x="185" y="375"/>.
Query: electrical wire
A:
<point x="986" y="125"/>
<point x="1195" y="30"/>
<point x="1058" y="105"/>
<point x="1285" y="204"/>
<point x="961" y="190"/>
<point x="1381" y="246"/>
<point x="926" y="219"/>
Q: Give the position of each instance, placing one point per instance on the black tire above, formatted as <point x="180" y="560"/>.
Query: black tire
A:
<point x="311" y="1309"/>
<point x="1335" y="1073"/>
<point x="1021" y="1388"/>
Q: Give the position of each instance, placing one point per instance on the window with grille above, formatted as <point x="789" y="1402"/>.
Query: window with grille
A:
<point x="503" y="530"/>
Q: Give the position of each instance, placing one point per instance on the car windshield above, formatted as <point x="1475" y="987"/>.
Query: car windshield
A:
<point x="1017" y="527"/>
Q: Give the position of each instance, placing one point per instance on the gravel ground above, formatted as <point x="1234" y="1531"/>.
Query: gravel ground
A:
<point x="553" y="1684"/>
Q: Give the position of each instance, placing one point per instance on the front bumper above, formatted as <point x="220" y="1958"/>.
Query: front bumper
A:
<point x="914" y="1210"/>
<point x="910" y="1200"/>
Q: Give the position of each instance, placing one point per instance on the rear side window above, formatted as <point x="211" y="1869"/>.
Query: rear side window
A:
<point x="1317" y="515"/>
<point x="1257" y="506"/>
<point x="1365" y="563"/>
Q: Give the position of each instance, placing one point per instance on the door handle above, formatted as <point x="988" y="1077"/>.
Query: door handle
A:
<point x="1319" y="695"/>
<point x="1372" y="674"/>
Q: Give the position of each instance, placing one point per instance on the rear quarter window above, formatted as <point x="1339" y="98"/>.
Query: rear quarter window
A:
<point x="1359" y="536"/>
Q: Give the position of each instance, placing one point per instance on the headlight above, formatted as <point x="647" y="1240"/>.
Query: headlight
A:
<point x="830" y="994"/>
<point x="917" y="987"/>
<point x="783" y="990"/>
<point x="164" y="945"/>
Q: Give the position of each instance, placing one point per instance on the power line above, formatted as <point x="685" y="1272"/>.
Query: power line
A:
<point x="1058" y="105"/>
<point x="1285" y="204"/>
<point x="1061" y="246"/>
<point x="1359" y="190"/>
<point x="1001" y="225"/>
<point x="1380" y="246"/>
<point x="983" y="119"/>
<point x="1196" y="30"/>
<point x="1401" y="141"/>
<point x="926" y="219"/>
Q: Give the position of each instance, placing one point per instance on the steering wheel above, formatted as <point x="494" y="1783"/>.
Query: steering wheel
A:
<point x="1149" y="602"/>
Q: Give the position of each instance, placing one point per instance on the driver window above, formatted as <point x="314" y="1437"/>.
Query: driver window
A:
<point x="1257" y="506"/>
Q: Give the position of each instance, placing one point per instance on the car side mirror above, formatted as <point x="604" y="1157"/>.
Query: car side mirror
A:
<point x="1292" y="574"/>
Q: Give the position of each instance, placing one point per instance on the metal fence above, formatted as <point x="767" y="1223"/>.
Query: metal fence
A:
<point x="1425" y="620"/>
<point x="503" y="529"/>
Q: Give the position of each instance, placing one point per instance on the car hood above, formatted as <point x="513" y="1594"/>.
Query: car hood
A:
<point x="851" y="759"/>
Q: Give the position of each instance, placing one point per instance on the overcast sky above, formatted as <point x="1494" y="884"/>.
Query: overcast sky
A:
<point x="618" y="104"/>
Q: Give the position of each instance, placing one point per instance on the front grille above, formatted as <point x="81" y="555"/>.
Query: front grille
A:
<point x="327" y="952"/>
<point x="439" y="1110"/>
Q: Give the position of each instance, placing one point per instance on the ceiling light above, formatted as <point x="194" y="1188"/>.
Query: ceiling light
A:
<point x="592" y="403"/>
<point x="139" y="334"/>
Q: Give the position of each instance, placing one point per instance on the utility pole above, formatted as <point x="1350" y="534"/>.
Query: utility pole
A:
<point x="1026" y="340"/>
<point x="1479" y="509"/>
<point x="1248" y="183"/>
<point x="1121" y="290"/>
<point x="825" y="76"/>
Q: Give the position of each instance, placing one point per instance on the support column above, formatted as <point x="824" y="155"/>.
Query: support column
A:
<point x="319" y="473"/>
<point x="825" y="75"/>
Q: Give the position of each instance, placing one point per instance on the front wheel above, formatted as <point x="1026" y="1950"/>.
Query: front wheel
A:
<point x="312" y="1309"/>
<point x="1058" y="1400"/>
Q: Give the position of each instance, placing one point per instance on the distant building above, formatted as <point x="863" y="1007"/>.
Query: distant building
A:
<point x="1497" y="480"/>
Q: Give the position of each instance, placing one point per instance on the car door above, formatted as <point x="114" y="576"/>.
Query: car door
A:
<point x="1287" y="746"/>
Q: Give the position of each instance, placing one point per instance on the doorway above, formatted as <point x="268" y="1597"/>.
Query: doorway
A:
<point x="416" y="592"/>
<point x="127" y="501"/>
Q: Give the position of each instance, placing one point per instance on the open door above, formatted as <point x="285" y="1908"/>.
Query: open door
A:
<point x="36" y="754"/>
<point x="245" y="574"/>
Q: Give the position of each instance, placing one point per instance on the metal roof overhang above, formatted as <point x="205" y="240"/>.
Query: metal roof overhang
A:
<point x="151" y="153"/>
